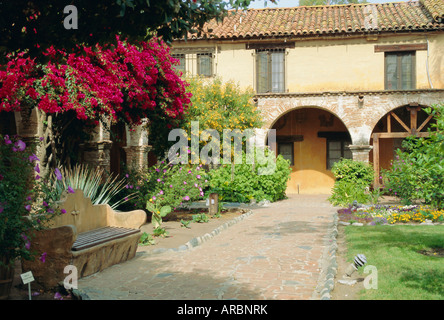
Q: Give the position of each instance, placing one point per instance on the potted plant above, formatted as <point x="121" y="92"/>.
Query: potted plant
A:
<point x="26" y="205"/>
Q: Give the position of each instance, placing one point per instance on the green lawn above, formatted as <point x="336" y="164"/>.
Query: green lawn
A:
<point x="402" y="272"/>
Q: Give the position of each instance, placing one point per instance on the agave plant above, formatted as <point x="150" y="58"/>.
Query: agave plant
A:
<point x="90" y="182"/>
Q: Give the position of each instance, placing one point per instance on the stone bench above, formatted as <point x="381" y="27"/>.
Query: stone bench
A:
<point x="89" y="237"/>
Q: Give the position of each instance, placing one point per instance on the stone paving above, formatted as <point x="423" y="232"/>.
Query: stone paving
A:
<point x="274" y="253"/>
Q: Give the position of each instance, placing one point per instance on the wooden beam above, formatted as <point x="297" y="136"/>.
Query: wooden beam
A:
<point x="389" y="123"/>
<point x="376" y="159"/>
<point x="401" y="47"/>
<point x="401" y="134"/>
<point x="400" y="121"/>
<point x="425" y="122"/>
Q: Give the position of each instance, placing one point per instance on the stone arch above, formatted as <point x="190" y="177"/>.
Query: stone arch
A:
<point x="392" y="129"/>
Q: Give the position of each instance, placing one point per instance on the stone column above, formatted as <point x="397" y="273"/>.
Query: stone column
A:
<point x="360" y="152"/>
<point x="137" y="147"/>
<point x="96" y="152"/>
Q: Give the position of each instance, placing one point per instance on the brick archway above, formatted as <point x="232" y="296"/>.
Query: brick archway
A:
<point x="359" y="111"/>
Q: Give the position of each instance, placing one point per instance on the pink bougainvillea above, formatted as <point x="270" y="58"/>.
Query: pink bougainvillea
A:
<point x="123" y="81"/>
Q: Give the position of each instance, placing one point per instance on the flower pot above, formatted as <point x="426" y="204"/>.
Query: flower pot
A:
<point x="6" y="277"/>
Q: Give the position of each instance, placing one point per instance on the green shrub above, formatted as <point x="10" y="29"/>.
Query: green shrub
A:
<point x="418" y="172"/>
<point x="353" y="181"/>
<point x="241" y="182"/>
<point x="353" y="171"/>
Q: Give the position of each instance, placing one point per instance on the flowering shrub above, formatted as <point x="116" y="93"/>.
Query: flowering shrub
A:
<point x="418" y="173"/>
<point x="164" y="187"/>
<point x="390" y="214"/>
<point x="219" y="106"/>
<point x="26" y="205"/>
<point x="125" y="82"/>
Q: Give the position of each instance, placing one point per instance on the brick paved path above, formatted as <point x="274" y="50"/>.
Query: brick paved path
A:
<point x="275" y="253"/>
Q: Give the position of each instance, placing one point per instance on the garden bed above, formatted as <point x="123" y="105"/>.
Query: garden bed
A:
<point x="390" y="213"/>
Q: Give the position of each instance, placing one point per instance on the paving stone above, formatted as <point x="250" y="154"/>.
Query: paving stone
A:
<point x="250" y="259"/>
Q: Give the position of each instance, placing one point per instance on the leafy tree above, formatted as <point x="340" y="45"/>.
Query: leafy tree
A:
<point x="37" y="25"/>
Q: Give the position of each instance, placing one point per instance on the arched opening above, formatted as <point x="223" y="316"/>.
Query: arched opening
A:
<point x="312" y="139"/>
<point x="7" y="123"/>
<point x="391" y="130"/>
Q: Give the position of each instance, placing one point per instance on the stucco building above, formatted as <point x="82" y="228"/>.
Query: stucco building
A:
<point x="334" y="81"/>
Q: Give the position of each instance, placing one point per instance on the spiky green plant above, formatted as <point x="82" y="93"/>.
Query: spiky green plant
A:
<point x="90" y="182"/>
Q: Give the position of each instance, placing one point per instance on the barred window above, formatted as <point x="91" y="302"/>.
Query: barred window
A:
<point x="336" y="150"/>
<point x="205" y="64"/>
<point x="400" y="70"/>
<point x="270" y="66"/>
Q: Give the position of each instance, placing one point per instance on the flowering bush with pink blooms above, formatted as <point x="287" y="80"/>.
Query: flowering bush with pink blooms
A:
<point x="167" y="185"/>
<point x="123" y="82"/>
<point x="26" y="201"/>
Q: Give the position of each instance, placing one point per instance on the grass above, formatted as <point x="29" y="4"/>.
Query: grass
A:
<point x="403" y="272"/>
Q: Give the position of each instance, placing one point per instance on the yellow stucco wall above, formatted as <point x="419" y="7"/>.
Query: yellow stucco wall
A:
<point x="309" y="173"/>
<point x="330" y="64"/>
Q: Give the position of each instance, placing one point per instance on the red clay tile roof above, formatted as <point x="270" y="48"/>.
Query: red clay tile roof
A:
<point x="335" y="19"/>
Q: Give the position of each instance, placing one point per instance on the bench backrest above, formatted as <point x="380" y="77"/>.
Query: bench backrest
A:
<point x="81" y="213"/>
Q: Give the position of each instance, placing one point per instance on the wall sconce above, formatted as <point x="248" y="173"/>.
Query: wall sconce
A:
<point x="359" y="261"/>
<point x="360" y="101"/>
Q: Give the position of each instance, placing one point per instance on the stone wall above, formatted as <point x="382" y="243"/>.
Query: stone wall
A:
<point x="359" y="111"/>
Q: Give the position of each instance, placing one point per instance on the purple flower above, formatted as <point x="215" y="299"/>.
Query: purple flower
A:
<point x="37" y="177"/>
<point x="171" y="185"/>
<point x="154" y="198"/>
<point x="161" y="192"/>
<point x="28" y="207"/>
<point x="186" y="198"/>
<point x="63" y="211"/>
<point x="196" y="185"/>
<point x="33" y="158"/>
<point x="19" y="146"/>
<point x="27" y="245"/>
<point x="184" y="182"/>
<point x="58" y="174"/>
<point x="28" y="198"/>
<point x="127" y="175"/>
<point x="158" y="180"/>
<point x="198" y="177"/>
<point x="43" y="257"/>
<point x="45" y="203"/>
<point x="50" y="210"/>
<point x="70" y="190"/>
<point x="58" y="296"/>
<point x="7" y="141"/>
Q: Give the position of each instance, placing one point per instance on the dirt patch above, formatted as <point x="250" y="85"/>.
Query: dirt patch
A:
<point x="345" y="291"/>
<point x="433" y="252"/>
<point x="177" y="236"/>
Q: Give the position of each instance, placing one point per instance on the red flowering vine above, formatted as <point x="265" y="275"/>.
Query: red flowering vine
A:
<point x="124" y="81"/>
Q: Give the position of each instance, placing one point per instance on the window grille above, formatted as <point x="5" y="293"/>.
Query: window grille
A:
<point x="270" y="70"/>
<point x="196" y="61"/>
<point x="400" y="70"/>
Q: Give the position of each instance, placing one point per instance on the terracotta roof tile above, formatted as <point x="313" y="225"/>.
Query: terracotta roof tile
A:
<point x="351" y="18"/>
